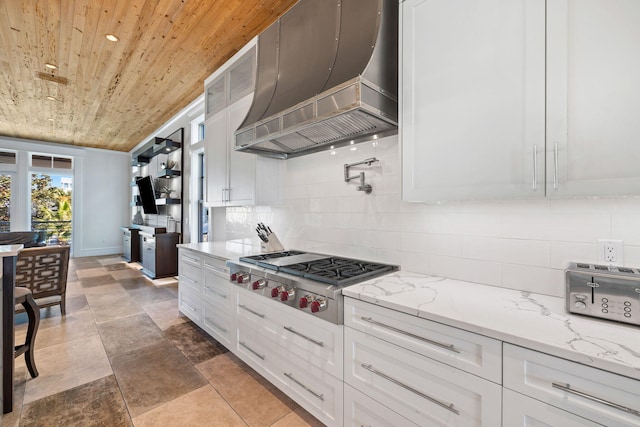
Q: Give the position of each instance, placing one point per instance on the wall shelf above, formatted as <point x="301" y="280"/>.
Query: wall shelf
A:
<point x="168" y="173"/>
<point x="167" y="201"/>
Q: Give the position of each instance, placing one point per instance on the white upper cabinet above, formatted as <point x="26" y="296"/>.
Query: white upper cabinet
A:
<point x="492" y="111"/>
<point x="473" y="106"/>
<point x="234" y="178"/>
<point x="593" y="93"/>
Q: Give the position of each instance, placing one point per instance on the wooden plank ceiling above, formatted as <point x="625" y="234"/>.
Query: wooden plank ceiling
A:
<point x="112" y="95"/>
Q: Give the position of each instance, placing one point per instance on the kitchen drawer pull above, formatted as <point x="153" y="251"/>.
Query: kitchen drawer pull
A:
<point x="189" y="259"/>
<point x="187" y="279"/>
<point x="215" y="325"/>
<point x="216" y="269"/>
<point x="215" y="291"/>
<point x="446" y="406"/>
<point x="293" y="331"/>
<point x="449" y="347"/>
<point x="290" y="376"/>
<point x="261" y="356"/>
<point x="244" y="307"/>
<point x="189" y="307"/>
<point x="567" y="388"/>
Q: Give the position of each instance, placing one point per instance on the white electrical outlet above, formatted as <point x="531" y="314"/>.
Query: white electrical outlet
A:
<point x="610" y="251"/>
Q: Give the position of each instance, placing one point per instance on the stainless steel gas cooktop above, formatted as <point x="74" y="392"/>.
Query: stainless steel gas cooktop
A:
<point x="307" y="281"/>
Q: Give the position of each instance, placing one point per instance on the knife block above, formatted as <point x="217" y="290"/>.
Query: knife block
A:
<point x="273" y="245"/>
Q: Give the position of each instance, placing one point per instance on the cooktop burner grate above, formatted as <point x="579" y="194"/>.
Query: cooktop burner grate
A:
<point x="254" y="259"/>
<point x="337" y="271"/>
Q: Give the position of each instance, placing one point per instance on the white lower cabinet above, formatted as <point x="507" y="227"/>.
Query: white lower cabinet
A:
<point x="299" y="354"/>
<point x="361" y="410"/>
<point x="597" y="395"/>
<point x="425" y="391"/>
<point x="191" y="281"/>
<point x="524" y="411"/>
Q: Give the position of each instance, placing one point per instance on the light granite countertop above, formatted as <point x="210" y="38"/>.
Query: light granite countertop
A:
<point x="536" y="321"/>
<point x="224" y="250"/>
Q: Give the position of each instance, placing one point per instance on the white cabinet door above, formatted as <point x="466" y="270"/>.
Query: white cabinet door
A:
<point x="523" y="411"/>
<point x="216" y="146"/>
<point x="593" y="92"/>
<point x="242" y="166"/>
<point x="473" y="99"/>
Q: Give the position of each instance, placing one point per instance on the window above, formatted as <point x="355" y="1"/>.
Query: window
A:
<point x="51" y="206"/>
<point x="51" y="162"/>
<point x="7" y="158"/>
<point x="5" y="202"/>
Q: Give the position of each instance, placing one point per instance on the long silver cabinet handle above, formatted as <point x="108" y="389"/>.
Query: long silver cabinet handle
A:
<point x="293" y="331"/>
<point x="189" y="307"/>
<point x="215" y="291"/>
<point x="535" y="168"/>
<point x="567" y="388"/>
<point x="318" y="395"/>
<point x="215" y="325"/>
<point x="556" y="180"/>
<point x="447" y="406"/>
<point x="261" y="356"/>
<point x="449" y="347"/>
<point x="186" y="279"/>
<point x="191" y="260"/>
<point x="216" y="269"/>
<point x="244" y="307"/>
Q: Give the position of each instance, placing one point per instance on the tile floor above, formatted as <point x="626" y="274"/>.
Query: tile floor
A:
<point x="124" y="356"/>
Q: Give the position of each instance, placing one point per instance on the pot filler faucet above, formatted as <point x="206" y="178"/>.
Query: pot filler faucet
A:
<point x="362" y="187"/>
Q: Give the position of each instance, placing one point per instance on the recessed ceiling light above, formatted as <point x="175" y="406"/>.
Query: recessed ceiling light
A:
<point x="51" y="98"/>
<point x="51" y="119"/>
<point x="112" y="37"/>
<point x="51" y="66"/>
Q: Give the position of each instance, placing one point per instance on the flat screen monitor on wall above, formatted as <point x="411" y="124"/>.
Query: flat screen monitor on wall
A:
<point x="147" y="195"/>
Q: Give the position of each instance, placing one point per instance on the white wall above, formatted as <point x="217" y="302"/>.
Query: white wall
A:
<point x="521" y="244"/>
<point x="100" y="193"/>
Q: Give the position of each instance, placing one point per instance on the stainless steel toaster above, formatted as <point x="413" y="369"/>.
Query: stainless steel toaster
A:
<point x="603" y="291"/>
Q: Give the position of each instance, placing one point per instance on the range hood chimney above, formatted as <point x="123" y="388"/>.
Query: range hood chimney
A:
<point x="327" y="76"/>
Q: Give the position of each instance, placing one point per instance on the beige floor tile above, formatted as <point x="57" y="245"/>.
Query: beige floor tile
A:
<point x="298" y="418"/>
<point x="251" y="399"/>
<point x="91" y="272"/>
<point x="165" y="313"/>
<point x="111" y="302"/>
<point x="74" y="288"/>
<point x="111" y="260"/>
<point x="130" y="333"/>
<point x="67" y="365"/>
<point x="12" y="419"/>
<point x="125" y="274"/>
<point x="201" y="407"/>
<point x="154" y="375"/>
<point x="56" y="330"/>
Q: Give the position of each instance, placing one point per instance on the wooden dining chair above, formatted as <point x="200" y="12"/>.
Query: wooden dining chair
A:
<point x="44" y="270"/>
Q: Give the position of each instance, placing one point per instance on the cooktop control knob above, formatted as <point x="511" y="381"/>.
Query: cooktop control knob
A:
<point x="259" y="284"/>
<point x="275" y="292"/>
<point x="243" y="278"/>
<point x="305" y="301"/>
<point x="580" y="305"/>
<point x="234" y="276"/>
<point x="287" y="294"/>
<point x="318" y="305"/>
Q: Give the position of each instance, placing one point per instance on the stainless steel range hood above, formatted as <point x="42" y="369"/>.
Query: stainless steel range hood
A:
<point x="327" y="75"/>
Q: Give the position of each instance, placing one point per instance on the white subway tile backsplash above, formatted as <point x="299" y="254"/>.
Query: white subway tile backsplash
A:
<point x="562" y="253"/>
<point x="546" y="281"/>
<point x="521" y="244"/>
<point x="557" y="227"/>
<point x="466" y="269"/>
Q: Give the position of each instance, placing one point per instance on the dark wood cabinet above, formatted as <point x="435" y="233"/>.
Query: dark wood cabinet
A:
<point x="130" y="244"/>
<point x="159" y="254"/>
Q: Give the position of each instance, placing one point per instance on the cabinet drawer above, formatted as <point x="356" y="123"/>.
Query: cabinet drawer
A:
<point x="218" y="295"/>
<point x="524" y="411"/>
<point x="218" y="324"/>
<point x="190" y="304"/>
<point x="190" y="268"/>
<point x="591" y="393"/>
<point x="252" y="345"/>
<point x="360" y="410"/>
<point x="313" y="340"/>
<point x="464" y="350"/>
<point x="216" y="267"/>
<point x="315" y="390"/>
<point x="425" y="391"/>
